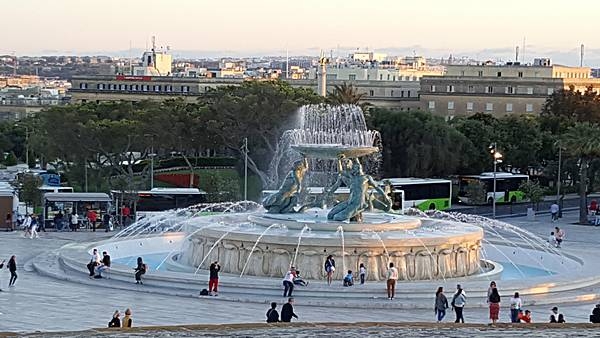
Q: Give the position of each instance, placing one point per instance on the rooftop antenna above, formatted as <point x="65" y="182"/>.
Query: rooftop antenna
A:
<point x="523" y="52"/>
<point x="581" y="56"/>
<point x="517" y="54"/>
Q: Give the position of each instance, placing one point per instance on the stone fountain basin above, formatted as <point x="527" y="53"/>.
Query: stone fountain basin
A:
<point x="316" y="219"/>
<point x="333" y="151"/>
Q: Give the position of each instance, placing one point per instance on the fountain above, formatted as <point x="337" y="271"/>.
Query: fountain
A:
<point x="337" y="134"/>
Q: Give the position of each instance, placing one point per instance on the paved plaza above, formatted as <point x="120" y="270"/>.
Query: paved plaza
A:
<point x="39" y="303"/>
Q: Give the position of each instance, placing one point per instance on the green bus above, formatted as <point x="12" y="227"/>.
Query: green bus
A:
<point x="507" y="188"/>
<point x="421" y="193"/>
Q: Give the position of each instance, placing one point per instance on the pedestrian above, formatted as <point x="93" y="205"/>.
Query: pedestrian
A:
<point x="92" y="217"/>
<point x="9" y="222"/>
<point x="127" y="321"/>
<point x="58" y="221"/>
<point x="362" y="272"/>
<point x="392" y="277"/>
<point x="94" y="262"/>
<point x="105" y="265"/>
<point x="288" y="282"/>
<point x="494" y="304"/>
<point x="595" y="316"/>
<point x="106" y="222"/>
<point x="27" y="224"/>
<point x="489" y="290"/>
<point x="33" y="227"/>
<point x="74" y="221"/>
<point x="349" y="279"/>
<point x="515" y="307"/>
<point x="554" y="208"/>
<point x="556" y="317"/>
<point x="12" y="267"/>
<point x="298" y="280"/>
<point x="560" y="235"/>
<point x="213" y="279"/>
<point x="329" y="268"/>
<point x="525" y="317"/>
<point x="115" y="321"/>
<point x="140" y="269"/>
<point x="458" y="303"/>
<point x="287" y="311"/>
<point x="272" y="314"/>
<point x="441" y="304"/>
<point x="552" y="239"/>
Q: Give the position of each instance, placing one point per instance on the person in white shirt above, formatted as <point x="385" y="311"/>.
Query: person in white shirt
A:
<point x="94" y="262"/>
<point x="33" y="227"/>
<point x="27" y="224"/>
<point x="515" y="308"/>
<point x="392" y="277"/>
<point x="552" y="239"/>
<point x="74" y="221"/>
<point x="288" y="282"/>
<point x="554" y="208"/>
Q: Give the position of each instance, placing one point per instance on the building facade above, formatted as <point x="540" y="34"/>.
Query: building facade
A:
<point x="506" y="89"/>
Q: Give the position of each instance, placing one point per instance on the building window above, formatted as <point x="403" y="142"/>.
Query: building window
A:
<point x="352" y="77"/>
<point x="402" y="93"/>
<point x="380" y="77"/>
<point x="431" y="104"/>
<point x="408" y="93"/>
<point x="83" y="85"/>
<point x="450" y="105"/>
<point x="371" y="92"/>
<point x="469" y="106"/>
<point x="168" y="88"/>
<point x="509" y="90"/>
<point x="480" y="73"/>
<point x="368" y="77"/>
<point x="509" y="107"/>
<point x="489" y="89"/>
<point x="520" y="74"/>
<point x="499" y="74"/>
<point x="123" y="87"/>
<point x="432" y="88"/>
<point x="530" y="91"/>
<point x="157" y="88"/>
<point x="462" y="73"/>
<point x="394" y="78"/>
<point x="134" y="87"/>
<point x="550" y="91"/>
<point x="450" y="89"/>
<point x="185" y="89"/>
<point x="471" y="89"/>
<point x="392" y="93"/>
<point x="489" y="107"/>
<point x="100" y="86"/>
<point x="529" y="107"/>
<point x="145" y="88"/>
<point x="388" y="77"/>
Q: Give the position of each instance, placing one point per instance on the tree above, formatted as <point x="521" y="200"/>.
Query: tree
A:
<point x="344" y="94"/>
<point x="260" y="111"/>
<point x="418" y="144"/>
<point x="28" y="186"/>
<point x="582" y="141"/>
<point x="532" y="191"/>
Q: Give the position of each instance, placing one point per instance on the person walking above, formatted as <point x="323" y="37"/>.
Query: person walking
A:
<point x="74" y="221"/>
<point x="441" y="304"/>
<point x="213" y="279"/>
<point x="362" y="272"/>
<point x="554" y="208"/>
<point x="392" y="277"/>
<point x="27" y="225"/>
<point x="458" y="303"/>
<point x="140" y="269"/>
<point x="272" y="314"/>
<point x="115" y="321"/>
<point x="287" y="311"/>
<point x="288" y="282"/>
<point x="515" y="308"/>
<point x="494" y="304"/>
<point x="127" y="321"/>
<point x="34" y="227"/>
<point x="12" y="267"/>
<point x="329" y="268"/>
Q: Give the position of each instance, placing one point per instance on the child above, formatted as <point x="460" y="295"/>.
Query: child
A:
<point x="362" y="273"/>
<point x="349" y="279"/>
<point x="298" y="280"/>
<point x="552" y="239"/>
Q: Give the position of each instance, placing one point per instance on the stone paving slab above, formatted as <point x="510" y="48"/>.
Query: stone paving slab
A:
<point x="304" y="330"/>
<point x="48" y="304"/>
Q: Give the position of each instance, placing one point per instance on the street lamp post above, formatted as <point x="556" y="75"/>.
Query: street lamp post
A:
<point x="497" y="159"/>
<point x="558" y="175"/>
<point x="245" y="168"/>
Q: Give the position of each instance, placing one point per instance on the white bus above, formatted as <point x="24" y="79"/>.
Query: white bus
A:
<point x="420" y="193"/>
<point x="507" y="187"/>
<point x="162" y="199"/>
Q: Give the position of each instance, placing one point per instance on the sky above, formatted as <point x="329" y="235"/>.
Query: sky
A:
<point x="481" y="28"/>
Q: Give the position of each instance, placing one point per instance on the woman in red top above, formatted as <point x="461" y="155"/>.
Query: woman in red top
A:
<point x="92" y="217"/>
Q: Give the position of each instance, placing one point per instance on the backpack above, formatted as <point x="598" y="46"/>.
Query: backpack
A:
<point x="204" y="292"/>
<point x="145" y="267"/>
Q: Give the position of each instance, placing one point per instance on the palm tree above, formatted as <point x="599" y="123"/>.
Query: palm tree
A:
<point x="583" y="141"/>
<point x="344" y="94"/>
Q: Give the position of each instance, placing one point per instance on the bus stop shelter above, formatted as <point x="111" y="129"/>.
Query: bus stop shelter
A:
<point x="78" y="202"/>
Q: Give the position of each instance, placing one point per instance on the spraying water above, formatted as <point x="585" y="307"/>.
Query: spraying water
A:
<point x="255" y="244"/>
